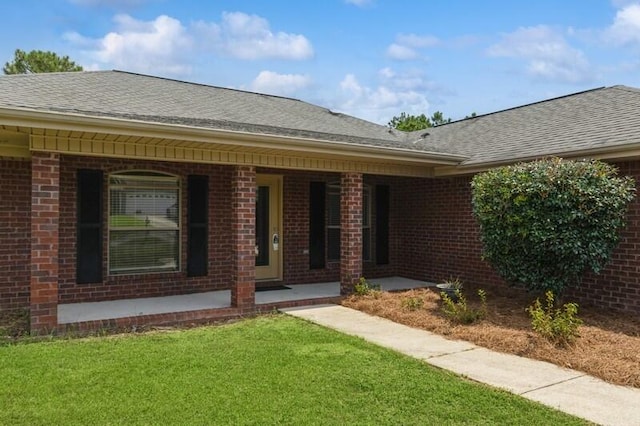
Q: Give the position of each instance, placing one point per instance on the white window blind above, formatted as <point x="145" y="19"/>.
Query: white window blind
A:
<point x="144" y="222"/>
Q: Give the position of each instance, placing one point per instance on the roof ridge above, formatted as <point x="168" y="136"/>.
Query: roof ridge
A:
<point x="30" y="74"/>
<point x="595" y="89"/>
<point x="231" y="89"/>
<point x="410" y="135"/>
<point x="625" y="88"/>
<point x="204" y="85"/>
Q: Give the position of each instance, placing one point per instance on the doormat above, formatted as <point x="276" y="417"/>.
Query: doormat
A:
<point x="273" y="287"/>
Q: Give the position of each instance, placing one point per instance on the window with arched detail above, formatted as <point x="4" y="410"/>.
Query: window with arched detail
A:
<point x="144" y="222"/>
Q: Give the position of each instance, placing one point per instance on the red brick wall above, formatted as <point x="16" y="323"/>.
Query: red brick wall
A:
<point x="438" y="232"/>
<point x="618" y="285"/>
<point x="350" y="231"/>
<point x="296" y="229"/>
<point x="243" y="224"/>
<point x="154" y="284"/>
<point x="45" y="216"/>
<point x="15" y="241"/>
<point x="439" y="239"/>
<point x="370" y="268"/>
<point x="433" y="236"/>
<point x="15" y="233"/>
<point x="295" y="241"/>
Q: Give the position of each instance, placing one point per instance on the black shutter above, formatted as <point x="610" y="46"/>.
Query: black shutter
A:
<point x="316" y="225"/>
<point x="382" y="224"/>
<point x="89" y="227"/>
<point x="198" y="225"/>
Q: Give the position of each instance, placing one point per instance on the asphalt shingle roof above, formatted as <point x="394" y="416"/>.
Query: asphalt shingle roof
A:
<point x="599" y="118"/>
<point x="131" y="96"/>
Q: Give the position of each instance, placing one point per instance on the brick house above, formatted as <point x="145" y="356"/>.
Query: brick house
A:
<point x="121" y="186"/>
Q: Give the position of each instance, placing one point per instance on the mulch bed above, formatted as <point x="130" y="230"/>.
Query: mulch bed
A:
<point x="608" y="346"/>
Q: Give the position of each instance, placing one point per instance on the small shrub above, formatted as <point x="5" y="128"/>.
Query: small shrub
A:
<point x="450" y="286"/>
<point x="454" y="283"/>
<point x="560" y="326"/>
<point x="459" y="311"/>
<point x="364" y="287"/>
<point x="412" y="303"/>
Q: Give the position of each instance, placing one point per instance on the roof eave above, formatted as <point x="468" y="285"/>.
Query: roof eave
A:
<point x="26" y="117"/>
<point x="621" y="152"/>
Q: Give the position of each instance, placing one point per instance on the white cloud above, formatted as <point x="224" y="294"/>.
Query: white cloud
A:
<point x="626" y="26"/>
<point x="165" y="46"/>
<point x="250" y="37"/>
<point x="359" y="3"/>
<point x="622" y="3"/>
<point x="394" y="93"/>
<point x="547" y="53"/>
<point x="279" y="84"/>
<point x="401" y="53"/>
<point x="406" y="46"/>
<point x="157" y="46"/>
<point x="417" y="41"/>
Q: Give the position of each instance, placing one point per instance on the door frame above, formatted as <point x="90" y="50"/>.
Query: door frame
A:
<point x="273" y="272"/>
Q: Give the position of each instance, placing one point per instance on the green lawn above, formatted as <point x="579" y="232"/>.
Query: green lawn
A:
<point x="127" y="221"/>
<point x="268" y="370"/>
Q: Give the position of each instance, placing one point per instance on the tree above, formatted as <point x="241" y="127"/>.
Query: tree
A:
<point x="409" y="123"/>
<point x="38" y="61"/>
<point x="437" y="119"/>
<point x="544" y="224"/>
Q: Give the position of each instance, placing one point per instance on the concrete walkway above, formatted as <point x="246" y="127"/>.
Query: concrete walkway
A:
<point x="570" y="391"/>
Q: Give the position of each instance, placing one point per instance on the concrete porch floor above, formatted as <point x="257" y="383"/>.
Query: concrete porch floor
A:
<point x="92" y="311"/>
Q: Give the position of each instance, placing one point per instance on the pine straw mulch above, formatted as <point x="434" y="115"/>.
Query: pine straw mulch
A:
<point x="608" y="346"/>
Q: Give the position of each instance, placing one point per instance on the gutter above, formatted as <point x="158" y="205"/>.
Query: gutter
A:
<point x="620" y="152"/>
<point x="24" y="117"/>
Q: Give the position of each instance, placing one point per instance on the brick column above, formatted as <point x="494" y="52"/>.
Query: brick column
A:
<point x="45" y="216"/>
<point x="350" y="231"/>
<point x="244" y="240"/>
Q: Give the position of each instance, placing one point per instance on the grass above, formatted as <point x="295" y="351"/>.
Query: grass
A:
<point x="268" y="370"/>
<point x="127" y="221"/>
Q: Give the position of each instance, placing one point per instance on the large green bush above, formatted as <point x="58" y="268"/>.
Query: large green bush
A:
<point x="544" y="223"/>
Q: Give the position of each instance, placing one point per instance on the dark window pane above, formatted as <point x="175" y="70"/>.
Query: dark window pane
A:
<point x="382" y="224"/>
<point x="333" y="207"/>
<point x="366" y="244"/>
<point x="198" y="188"/>
<point x="197" y="225"/>
<point x="89" y="243"/>
<point x="262" y="225"/>
<point x="333" y="244"/>
<point x="316" y="225"/>
<point x="89" y="196"/>
<point x="89" y="231"/>
<point x="197" y="260"/>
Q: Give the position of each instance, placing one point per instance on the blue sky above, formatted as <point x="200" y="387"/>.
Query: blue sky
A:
<point x="370" y="58"/>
